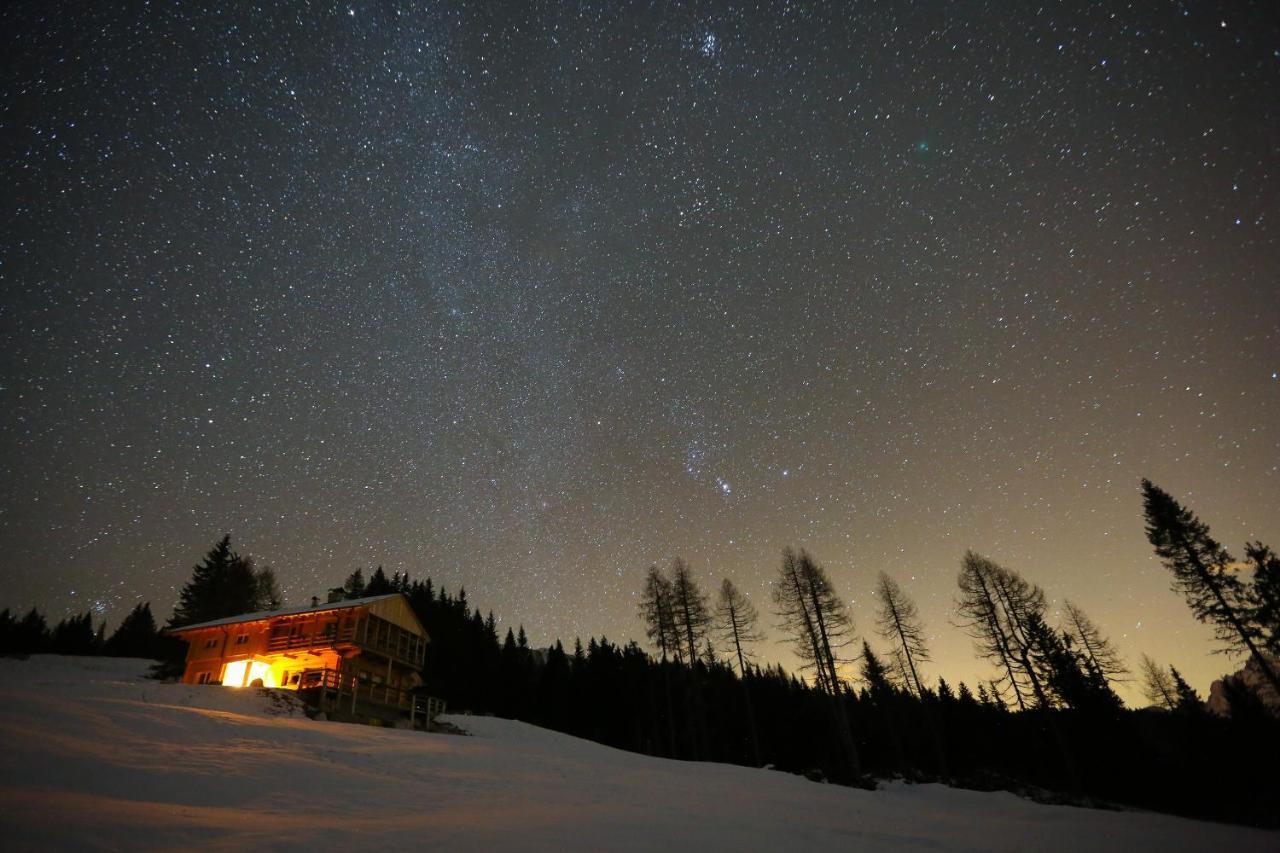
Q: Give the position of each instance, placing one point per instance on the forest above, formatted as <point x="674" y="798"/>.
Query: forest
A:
<point x="1046" y="724"/>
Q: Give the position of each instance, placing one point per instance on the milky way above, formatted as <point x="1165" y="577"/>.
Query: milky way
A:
<point x="529" y="298"/>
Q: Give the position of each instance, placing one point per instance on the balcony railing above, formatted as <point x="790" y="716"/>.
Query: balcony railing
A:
<point x="367" y="632"/>
<point x="343" y="692"/>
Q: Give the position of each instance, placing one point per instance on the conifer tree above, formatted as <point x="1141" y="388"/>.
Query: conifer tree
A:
<point x="268" y="595"/>
<point x="1264" y="595"/>
<point x="378" y="583"/>
<point x="1101" y="656"/>
<point x="657" y="609"/>
<point x="986" y="619"/>
<point x="899" y="622"/>
<point x="137" y="636"/>
<point x="1203" y="571"/>
<point x="354" y="584"/>
<point x="224" y="584"/>
<point x="689" y="607"/>
<point x="31" y="634"/>
<point x="1157" y="685"/>
<point x="1188" y="701"/>
<point x="875" y="675"/>
<point x="819" y="625"/>
<point x="74" y="635"/>
<point x="737" y="619"/>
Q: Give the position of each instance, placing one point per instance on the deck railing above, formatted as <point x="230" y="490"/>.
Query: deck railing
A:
<point x="347" y="693"/>
<point x="369" y="632"/>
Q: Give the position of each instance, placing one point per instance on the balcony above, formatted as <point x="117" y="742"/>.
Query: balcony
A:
<point x="370" y="633"/>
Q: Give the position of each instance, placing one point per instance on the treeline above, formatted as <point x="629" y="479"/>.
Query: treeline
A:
<point x="1046" y="720"/>
<point x="225" y="583"/>
<point x="30" y="634"/>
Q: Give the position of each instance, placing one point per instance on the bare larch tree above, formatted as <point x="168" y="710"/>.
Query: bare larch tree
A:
<point x="819" y="625"/>
<point x="1098" y="651"/>
<point x="736" y="621"/>
<point x="899" y="622"/>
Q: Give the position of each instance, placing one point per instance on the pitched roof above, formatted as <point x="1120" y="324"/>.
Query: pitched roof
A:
<point x="285" y="611"/>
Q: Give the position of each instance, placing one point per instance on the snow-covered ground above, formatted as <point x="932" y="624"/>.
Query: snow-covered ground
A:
<point x="94" y="756"/>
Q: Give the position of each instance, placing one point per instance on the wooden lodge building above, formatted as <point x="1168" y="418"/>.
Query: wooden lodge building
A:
<point x="357" y="659"/>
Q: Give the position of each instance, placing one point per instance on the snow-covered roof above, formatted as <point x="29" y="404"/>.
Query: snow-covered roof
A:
<point x="285" y="611"/>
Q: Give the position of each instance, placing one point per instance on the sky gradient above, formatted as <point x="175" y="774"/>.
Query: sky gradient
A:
<point x="526" y="297"/>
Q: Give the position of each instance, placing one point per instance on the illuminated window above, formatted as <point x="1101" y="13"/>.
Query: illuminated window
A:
<point x="242" y="673"/>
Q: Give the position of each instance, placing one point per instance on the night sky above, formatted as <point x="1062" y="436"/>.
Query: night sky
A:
<point x="527" y="298"/>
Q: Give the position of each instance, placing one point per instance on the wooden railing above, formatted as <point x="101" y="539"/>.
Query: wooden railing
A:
<point x="369" y="632"/>
<point x="319" y="639"/>
<point x="347" y="693"/>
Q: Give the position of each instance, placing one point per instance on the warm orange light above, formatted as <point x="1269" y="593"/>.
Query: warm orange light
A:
<point x="242" y="673"/>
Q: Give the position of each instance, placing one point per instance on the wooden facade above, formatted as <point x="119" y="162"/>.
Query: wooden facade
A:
<point x="358" y="659"/>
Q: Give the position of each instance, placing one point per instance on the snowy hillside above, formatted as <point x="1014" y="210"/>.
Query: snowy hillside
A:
<point x="96" y="756"/>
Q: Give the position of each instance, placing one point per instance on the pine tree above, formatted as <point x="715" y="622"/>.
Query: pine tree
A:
<point x="31" y="634"/>
<point x="354" y="584"/>
<point x="1188" y="701"/>
<point x="1067" y="674"/>
<point x="1264" y="595"/>
<point x="137" y="636"/>
<point x="378" y="583"/>
<point x="874" y="674"/>
<point x="74" y="635"/>
<point x="1203" y="572"/>
<point x="268" y="595"/>
<point x="224" y="584"/>
<point x="899" y="622"/>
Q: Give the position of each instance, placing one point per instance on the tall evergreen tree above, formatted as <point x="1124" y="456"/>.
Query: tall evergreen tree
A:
<point x="1188" y="701"/>
<point x="354" y="584"/>
<point x="378" y="584"/>
<point x="268" y="595"/>
<point x="137" y="636"/>
<point x="875" y="675"/>
<point x="1264" y="595"/>
<point x="217" y="588"/>
<point x="31" y="634"/>
<point x="74" y="635"/>
<point x="1203" y="571"/>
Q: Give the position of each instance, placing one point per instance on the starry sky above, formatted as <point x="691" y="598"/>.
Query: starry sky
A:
<point x="527" y="297"/>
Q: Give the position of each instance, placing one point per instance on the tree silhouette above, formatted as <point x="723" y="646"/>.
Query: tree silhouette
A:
<point x="899" y="622"/>
<point x="1203" y="571"/>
